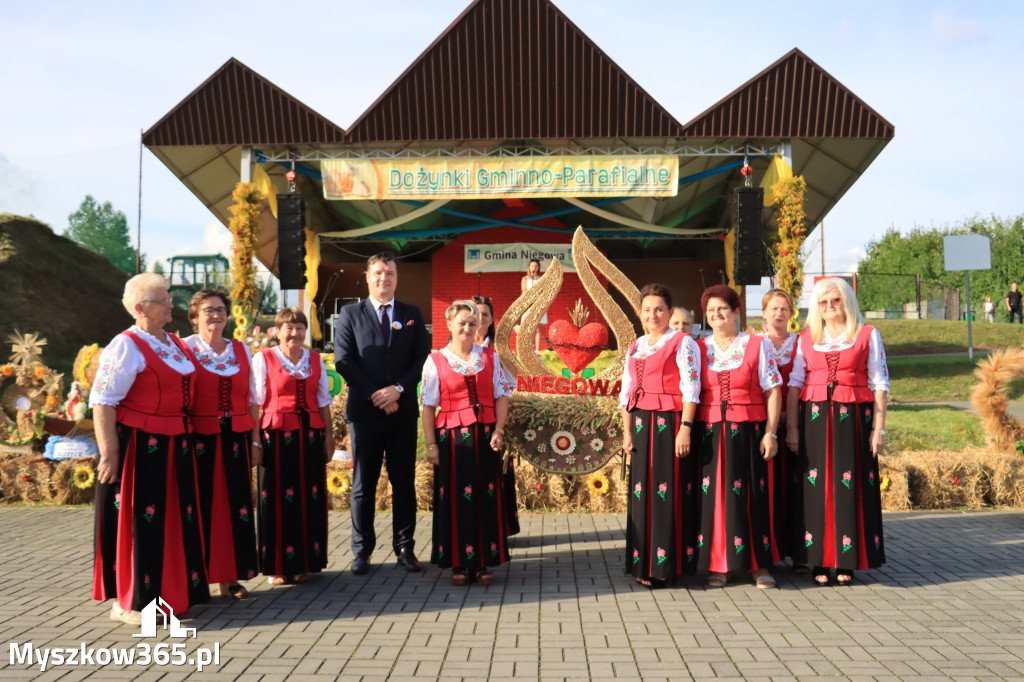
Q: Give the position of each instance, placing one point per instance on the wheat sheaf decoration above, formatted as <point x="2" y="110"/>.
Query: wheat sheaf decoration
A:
<point x="990" y="397"/>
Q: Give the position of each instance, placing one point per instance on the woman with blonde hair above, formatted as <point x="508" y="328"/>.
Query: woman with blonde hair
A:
<point x="836" y="411"/>
<point x="465" y="403"/>
<point x="777" y="309"/>
<point x="149" y="538"/>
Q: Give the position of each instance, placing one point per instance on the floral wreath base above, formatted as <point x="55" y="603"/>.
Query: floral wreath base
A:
<point x="560" y="450"/>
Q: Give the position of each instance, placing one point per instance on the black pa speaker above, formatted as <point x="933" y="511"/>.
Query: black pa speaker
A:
<point x="749" y="255"/>
<point x="291" y="241"/>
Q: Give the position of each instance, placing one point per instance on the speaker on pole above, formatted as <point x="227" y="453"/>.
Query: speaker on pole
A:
<point x="749" y="256"/>
<point x="291" y="241"/>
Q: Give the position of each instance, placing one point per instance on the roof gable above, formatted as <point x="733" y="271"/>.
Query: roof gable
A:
<point x="512" y="70"/>
<point x="237" y="106"/>
<point x="794" y="97"/>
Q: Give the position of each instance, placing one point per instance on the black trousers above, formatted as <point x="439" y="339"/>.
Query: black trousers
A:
<point x="1018" y="313"/>
<point x="394" y="435"/>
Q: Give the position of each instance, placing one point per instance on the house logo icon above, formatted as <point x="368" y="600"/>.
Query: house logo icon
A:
<point x="170" y="621"/>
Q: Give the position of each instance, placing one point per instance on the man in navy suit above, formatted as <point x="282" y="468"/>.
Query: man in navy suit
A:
<point x="380" y="345"/>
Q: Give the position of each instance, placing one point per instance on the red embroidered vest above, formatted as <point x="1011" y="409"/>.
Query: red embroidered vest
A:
<point x="219" y="396"/>
<point x="739" y="388"/>
<point x="287" y="397"/>
<point x="846" y="370"/>
<point x="465" y="398"/>
<point x="655" y="379"/>
<point x="159" y="398"/>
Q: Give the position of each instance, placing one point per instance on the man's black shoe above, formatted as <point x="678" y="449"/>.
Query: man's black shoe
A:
<point x="408" y="561"/>
<point x="361" y="565"/>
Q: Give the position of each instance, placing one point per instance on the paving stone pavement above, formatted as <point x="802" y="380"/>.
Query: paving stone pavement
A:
<point x="949" y="604"/>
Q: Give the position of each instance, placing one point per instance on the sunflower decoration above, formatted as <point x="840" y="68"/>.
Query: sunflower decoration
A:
<point x="792" y="234"/>
<point x="239" y="334"/>
<point x="244" y="226"/>
<point x="337" y="483"/>
<point x="597" y="483"/>
<point x="794" y="322"/>
<point x="83" y="477"/>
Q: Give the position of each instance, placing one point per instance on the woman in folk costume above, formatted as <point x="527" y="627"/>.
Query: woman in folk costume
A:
<point x="465" y="404"/>
<point x="777" y="309"/>
<point x="227" y="442"/>
<point x="149" y="539"/>
<point x="736" y="438"/>
<point x="298" y="441"/>
<point x="485" y="339"/>
<point x="660" y="388"/>
<point x="841" y="382"/>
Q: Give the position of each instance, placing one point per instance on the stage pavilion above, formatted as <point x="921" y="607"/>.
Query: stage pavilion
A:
<point x="515" y="84"/>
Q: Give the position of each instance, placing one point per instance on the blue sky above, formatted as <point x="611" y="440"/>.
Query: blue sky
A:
<point x="82" y="79"/>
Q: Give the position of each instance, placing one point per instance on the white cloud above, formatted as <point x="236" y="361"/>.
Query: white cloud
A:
<point x="947" y="29"/>
<point x="217" y="238"/>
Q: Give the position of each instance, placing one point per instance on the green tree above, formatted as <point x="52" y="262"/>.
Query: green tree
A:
<point x="158" y="267"/>
<point x="103" y="230"/>
<point x="886" y="275"/>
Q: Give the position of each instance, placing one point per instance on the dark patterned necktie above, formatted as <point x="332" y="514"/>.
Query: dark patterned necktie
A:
<point x="385" y="323"/>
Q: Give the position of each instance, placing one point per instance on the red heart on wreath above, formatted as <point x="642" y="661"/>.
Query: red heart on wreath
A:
<point x="577" y="347"/>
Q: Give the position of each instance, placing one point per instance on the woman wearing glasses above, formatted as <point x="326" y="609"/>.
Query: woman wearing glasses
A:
<point x="837" y="401"/>
<point x="737" y="423"/>
<point x="227" y="443"/>
<point x="485" y="339"/>
<point x="148" y="534"/>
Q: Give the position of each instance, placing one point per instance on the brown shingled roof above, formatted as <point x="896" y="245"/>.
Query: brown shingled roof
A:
<point x="513" y="70"/>
<point x="794" y="97"/>
<point x="237" y="106"/>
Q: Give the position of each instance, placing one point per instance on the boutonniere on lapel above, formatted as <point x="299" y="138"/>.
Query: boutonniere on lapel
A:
<point x="410" y="323"/>
<point x="396" y="325"/>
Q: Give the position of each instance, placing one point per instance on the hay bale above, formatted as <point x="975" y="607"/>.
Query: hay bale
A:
<point x="424" y="483"/>
<point x="1006" y="477"/>
<point x="947" y="480"/>
<point x="896" y="495"/>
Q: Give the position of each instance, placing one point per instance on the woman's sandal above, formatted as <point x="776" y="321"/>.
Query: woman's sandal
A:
<point x="278" y="580"/>
<point x="764" y="581"/>
<point x="484" y="577"/>
<point x="716" y="580"/>
<point x="844" y="577"/>
<point x="820" y="575"/>
<point x="459" y="577"/>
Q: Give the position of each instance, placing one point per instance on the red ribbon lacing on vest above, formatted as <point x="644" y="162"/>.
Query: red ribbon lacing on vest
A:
<point x="474" y="398"/>
<point x="832" y="360"/>
<point x="725" y="390"/>
<point x="224" y="395"/>
<point x="186" y="399"/>
<point x="638" y="392"/>
<point x="300" y="396"/>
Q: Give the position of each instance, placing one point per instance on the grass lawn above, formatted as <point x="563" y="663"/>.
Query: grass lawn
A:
<point x="914" y="337"/>
<point x="938" y="378"/>
<point x="923" y="427"/>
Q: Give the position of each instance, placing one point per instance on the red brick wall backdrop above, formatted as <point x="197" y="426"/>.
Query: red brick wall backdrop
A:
<point x="450" y="282"/>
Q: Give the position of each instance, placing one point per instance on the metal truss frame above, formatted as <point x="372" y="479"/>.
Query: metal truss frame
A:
<point x="686" y="150"/>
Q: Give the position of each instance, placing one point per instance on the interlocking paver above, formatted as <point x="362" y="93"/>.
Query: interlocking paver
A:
<point x="949" y="604"/>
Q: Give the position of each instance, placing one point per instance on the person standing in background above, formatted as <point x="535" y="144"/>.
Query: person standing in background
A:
<point x="529" y="279"/>
<point x="1013" y="304"/>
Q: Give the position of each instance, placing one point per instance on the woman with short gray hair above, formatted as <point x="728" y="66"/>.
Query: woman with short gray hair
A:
<point x="148" y="536"/>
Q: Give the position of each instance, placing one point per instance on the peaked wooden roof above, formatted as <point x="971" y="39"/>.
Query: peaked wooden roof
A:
<point x="794" y="97"/>
<point x="237" y="106"/>
<point x="512" y="70"/>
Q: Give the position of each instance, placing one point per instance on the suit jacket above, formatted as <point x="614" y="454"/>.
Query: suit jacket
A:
<point x="367" y="364"/>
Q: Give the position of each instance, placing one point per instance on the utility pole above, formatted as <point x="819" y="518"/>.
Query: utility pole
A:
<point x="822" y="226"/>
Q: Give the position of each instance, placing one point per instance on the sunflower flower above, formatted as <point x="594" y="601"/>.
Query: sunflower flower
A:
<point x="83" y="477"/>
<point x="597" y="484"/>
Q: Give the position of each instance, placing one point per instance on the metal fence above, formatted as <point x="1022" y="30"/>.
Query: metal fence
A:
<point x="900" y="296"/>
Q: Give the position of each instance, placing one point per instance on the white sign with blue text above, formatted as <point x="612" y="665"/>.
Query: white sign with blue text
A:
<point x="516" y="257"/>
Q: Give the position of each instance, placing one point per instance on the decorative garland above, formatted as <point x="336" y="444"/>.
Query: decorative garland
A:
<point x="792" y="234"/>
<point x="244" y="226"/>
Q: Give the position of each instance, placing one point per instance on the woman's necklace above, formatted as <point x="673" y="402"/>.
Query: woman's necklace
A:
<point x="464" y="356"/>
